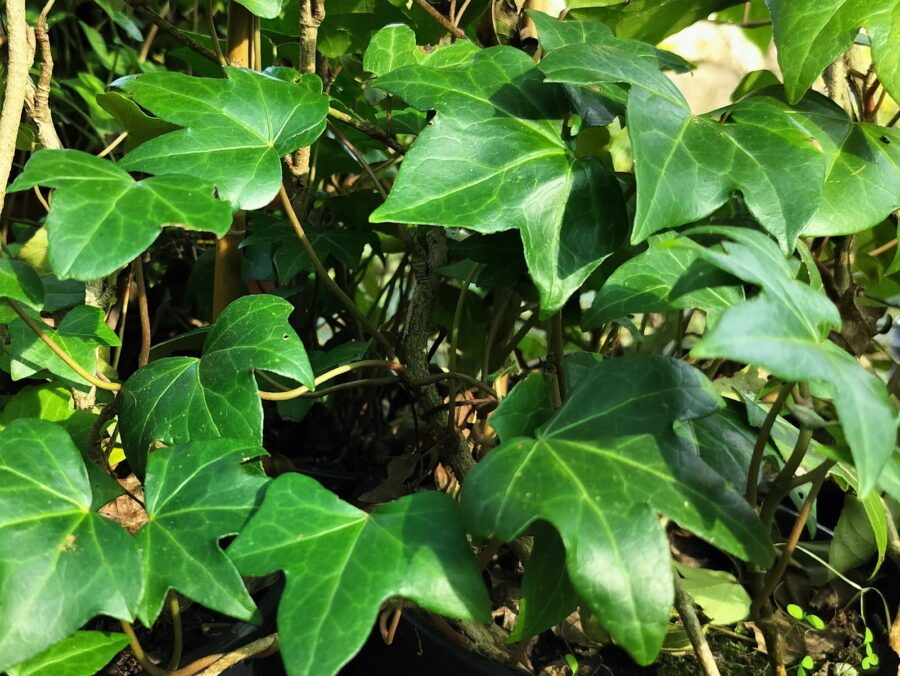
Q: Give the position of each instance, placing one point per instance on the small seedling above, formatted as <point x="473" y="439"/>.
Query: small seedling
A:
<point x="801" y="615"/>
<point x="806" y="664"/>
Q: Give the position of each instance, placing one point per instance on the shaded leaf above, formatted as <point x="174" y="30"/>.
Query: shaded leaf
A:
<point x="62" y="563"/>
<point x="856" y="539"/>
<point x="327" y="611"/>
<point x="181" y="399"/>
<point x="722" y="598"/>
<point x="20" y="282"/>
<point x="101" y="218"/>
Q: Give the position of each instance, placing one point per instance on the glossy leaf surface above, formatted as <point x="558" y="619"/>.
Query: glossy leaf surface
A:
<point x="236" y="130"/>
<point x="328" y="610"/>
<point x="496" y="150"/>
<point x="181" y="399"/>
<point x="62" y="563"/>
<point x="195" y="495"/>
<point x="598" y="471"/>
<point x="101" y="218"/>
<point x="84" y="653"/>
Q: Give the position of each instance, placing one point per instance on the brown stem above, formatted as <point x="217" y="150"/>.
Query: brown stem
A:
<point x="557" y="352"/>
<point x="61" y="353"/>
<point x="212" y="665"/>
<point x="139" y="653"/>
<point x="685" y="607"/>
<point x="178" y="635"/>
<point x="143" y="312"/>
<point x="17" y="65"/>
<point x="326" y="279"/>
<point x="455" y="31"/>
<point x="37" y="99"/>
<point x="761" y="440"/>
<point x="368" y="129"/>
<point x="142" y="8"/>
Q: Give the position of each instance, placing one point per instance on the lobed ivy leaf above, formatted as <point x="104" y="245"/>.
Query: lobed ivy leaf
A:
<point x="236" y="130"/>
<point x="101" y="218"/>
<point x="686" y="165"/>
<point x="327" y="611"/>
<point x="494" y="159"/>
<point x="659" y="279"/>
<point x="62" y="563"/>
<point x="180" y="399"/>
<point x="394" y="47"/>
<point x="19" y="282"/>
<point x="811" y="34"/>
<point x="195" y="495"/>
<point x="84" y="653"/>
<point x="599" y="470"/>
<point x="862" y="179"/>
<point x="784" y="329"/>
<point x="80" y="333"/>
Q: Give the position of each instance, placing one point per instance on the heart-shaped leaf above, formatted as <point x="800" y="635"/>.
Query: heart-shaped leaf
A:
<point x="62" y="563"/>
<point x="687" y="165"/>
<point x="328" y="610"/>
<point x="181" y="399"/>
<point x="496" y="150"/>
<point x="84" y="653"/>
<point x="236" y="130"/>
<point x="101" y="218"/>
<point x="195" y="495"/>
<point x="598" y="471"/>
<point x="784" y="329"/>
<point x="810" y="34"/>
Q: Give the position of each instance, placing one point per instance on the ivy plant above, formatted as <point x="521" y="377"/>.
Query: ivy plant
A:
<point x="452" y="320"/>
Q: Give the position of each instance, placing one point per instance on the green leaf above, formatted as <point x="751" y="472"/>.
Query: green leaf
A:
<point x="195" y="495"/>
<point x="84" y="653"/>
<point x="723" y="599"/>
<point x="725" y="442"/>
<point x="855" y="539"/>
<point x="20" y="282"/>
<point x="599" y="471"/>
<point x="784" y="329"/>
<point x="181" y="399"/>
<point x="795" y="611"/>
<point x="80" y="333"/>
<point x="811" y="34"/>
<point x="327" y="611"/>
<point x="493" y="159"/>
<point x="101" y="218"/>
<point x="807" y="662"/>
<point x="62" y="563"/>
<point x="862" y="179"/>
<point x="547" y="594"/>
<point x="265" y="9"/>
<point x="140" y="126"/>
<point x="686" y="165"/>
<point x="659" y="279"/>
<point x="524" y="410"/>
<point x="236" y="130"/>
<point x="391" y="48"/>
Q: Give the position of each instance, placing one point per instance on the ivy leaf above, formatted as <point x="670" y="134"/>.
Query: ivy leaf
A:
<point x="784" y="329"/>
<point x="723" y="599"/>
<point x="393" y="47"/>
<point x="101" y="218"/>
<point x="599" y="470"/>
<point x="21" y="283"/>
<point x="494" y="159"/>
<point x="84" y="653"/>
<point x="326" y="612"/>
<point x="862" y="180"/>
<point x="264" y="9"/>
<point x="80" y="333"/>
<point x="181" y="399"/>
<point x="810" y="34"/>
<point x="524" y="410"/>
<point x="236" y="130"/>
<point x="62" y="563"/>
<point x="195" y="495"/>
<point x="659" y="279"/>
<point x="725" y="442"/>
<point x="686" y="165"/>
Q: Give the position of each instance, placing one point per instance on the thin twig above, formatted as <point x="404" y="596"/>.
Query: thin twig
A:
<point x="61" y="353"/>
<point x="178" y="635"/>
<point x="213" y="34"/>
<point x="691" y="623"/>
<point x="326" y="279"/>
<point x="454" y="341"/>
<point x="368" y="129"/>
<point x="112" y="146"/>
<point x="37" y="99"/>
<point x="762" y="439"/>
<point x="140" y="6"/>
<point x="143" y="312"/>
<point x="212" y="665"/>
<point x="455" y="31"/>
<point x="139" y="653"/>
